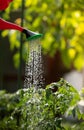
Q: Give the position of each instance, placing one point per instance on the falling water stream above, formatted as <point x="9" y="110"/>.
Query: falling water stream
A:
<point x="34" y="66"/>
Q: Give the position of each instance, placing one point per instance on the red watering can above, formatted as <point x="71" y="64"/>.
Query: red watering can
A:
<point x="8" y="25"/>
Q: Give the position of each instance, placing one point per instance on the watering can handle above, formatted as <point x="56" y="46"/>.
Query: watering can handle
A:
<point x="4" y="4"/>
<point x="4" y="24"/>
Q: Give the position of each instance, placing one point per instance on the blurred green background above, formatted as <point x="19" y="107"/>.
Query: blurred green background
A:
<point x="62" y="25"/>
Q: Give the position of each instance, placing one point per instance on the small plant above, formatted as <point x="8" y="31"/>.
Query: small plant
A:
<point x="41" y="109"/>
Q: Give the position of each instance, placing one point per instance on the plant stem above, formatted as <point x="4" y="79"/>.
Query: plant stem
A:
<point x="21" y="42"/>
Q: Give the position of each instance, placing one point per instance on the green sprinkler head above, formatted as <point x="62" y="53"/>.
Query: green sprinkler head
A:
<point x="32" y="35"/>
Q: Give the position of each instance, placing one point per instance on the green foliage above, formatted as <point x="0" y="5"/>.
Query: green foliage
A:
<point x="42" y="109"/>
<point x="76" y="126"/>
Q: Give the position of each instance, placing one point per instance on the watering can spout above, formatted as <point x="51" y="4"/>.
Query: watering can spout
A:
<point x="30" y="35"/>
<point x="8" y="25"/>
